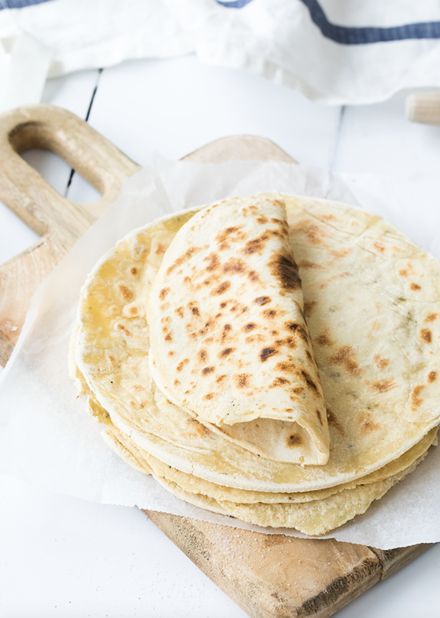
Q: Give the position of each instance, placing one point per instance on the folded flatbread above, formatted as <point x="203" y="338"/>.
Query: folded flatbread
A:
<point x="228" y="339"/>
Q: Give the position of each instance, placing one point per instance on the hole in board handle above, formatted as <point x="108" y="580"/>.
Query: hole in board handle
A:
<point x="15" y="235"/>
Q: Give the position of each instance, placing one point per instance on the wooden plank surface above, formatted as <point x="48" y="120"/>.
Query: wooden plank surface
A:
<point x="267" y="575"/>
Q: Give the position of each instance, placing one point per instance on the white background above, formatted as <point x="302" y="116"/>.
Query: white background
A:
<point x="64" y="557"/>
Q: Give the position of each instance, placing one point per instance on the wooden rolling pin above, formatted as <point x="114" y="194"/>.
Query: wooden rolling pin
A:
<point x="424" y="107"/>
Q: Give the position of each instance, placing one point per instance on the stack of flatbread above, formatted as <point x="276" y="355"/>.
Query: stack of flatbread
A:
<point x="272" y="358"/>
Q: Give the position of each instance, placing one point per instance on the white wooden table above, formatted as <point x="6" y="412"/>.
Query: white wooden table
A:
<point x="64" y="557"/>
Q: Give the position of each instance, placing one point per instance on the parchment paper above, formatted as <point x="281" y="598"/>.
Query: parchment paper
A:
<point x="48" y="437"/>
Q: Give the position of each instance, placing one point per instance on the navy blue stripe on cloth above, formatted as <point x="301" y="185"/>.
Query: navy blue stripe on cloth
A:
<point x="347" y="35"/>
<point x="360" y="36"/>
<point x="233" y="4"/>
<point x="19" y="4"/>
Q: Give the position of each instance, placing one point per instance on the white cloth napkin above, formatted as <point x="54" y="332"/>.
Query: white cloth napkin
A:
<point x="334" y="51"/>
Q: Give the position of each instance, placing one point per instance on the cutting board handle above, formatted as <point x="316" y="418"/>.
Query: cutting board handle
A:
<point x="60" y="131"/>
<point x="58" y="221"/>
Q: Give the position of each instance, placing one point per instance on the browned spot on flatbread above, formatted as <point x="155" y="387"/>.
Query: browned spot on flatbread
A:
<point x="323" y="340"/>
<point x="249" y="326"/>
<point x="416" y="398"/>
<point x="220" y="379"/>
<point x="134" y="271"/>
<point x="168" y="337"/>
<point x="182" y="364"/>
<point x="415" y="286"/>
<point x="253" y="276"/>
<point x="208" y="396"/>
<point x="242" y="380"/>
<point x="284" y="269"/>
<point x="176" y="382"/>
<point x="203" y="355"/>
<point x="432" y="376"/>
<point x="253" y="338"/>
<point x="256" y="245"/>
<point x="262" y="219"/>
<point x="133" y="311"/>
<point x="309" y="381"/>
<point x="380" y="362"/>
<point x="340" y="253"/>
<point x="229" y="231"/>
<point x="294" y="440"/>
<point x="431" y="317"/>
<point x="382" y="386"/>
<point x="207" y="370"/>
<point x="221" y="289"/>
<point x="160" y="249"/>
<point x="126" y="292"/>
<point x="308" y="264"/>
<point x="213" y="262"/>
<point x="226" y="352"/>
<point x="267" y="353"/>
<point x="368" y="426"/>
<point x="163" y="293"/>
<point x="180" y="312"/>
<point x="286" y="366"/>
<point x="124" y="329"/>
<point x="234" y="265"/>
<point x="226" y="330"/>
<point x="269" y="313"/>
<point x="289" y="341"/>
<point x="180" y="260"/>
<point x="313" y="232"/>
<point x="426" y="335"/>
<point x="345" y="357"/>
<point x="279" y="381"/>
<point x="333" y="421"/>
<point x="262" y="300"/>
<point x="297" y="329"/>
<point x="403" y="272"/>
<point x="379" y="246"/>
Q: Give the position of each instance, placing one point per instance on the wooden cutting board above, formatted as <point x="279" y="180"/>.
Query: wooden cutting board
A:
<point x="268" y="576"/>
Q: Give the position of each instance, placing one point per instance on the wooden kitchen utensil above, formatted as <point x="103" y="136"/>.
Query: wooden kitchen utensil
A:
<point x="423" y="107"/>
<point x="268" y="575"/>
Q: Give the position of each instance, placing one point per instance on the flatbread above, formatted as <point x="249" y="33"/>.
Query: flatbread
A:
<point x="145" y="462"/>
<point x="229" y="343"/>
<point x="311" y="517"/>
<point x="372" y="301"/>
